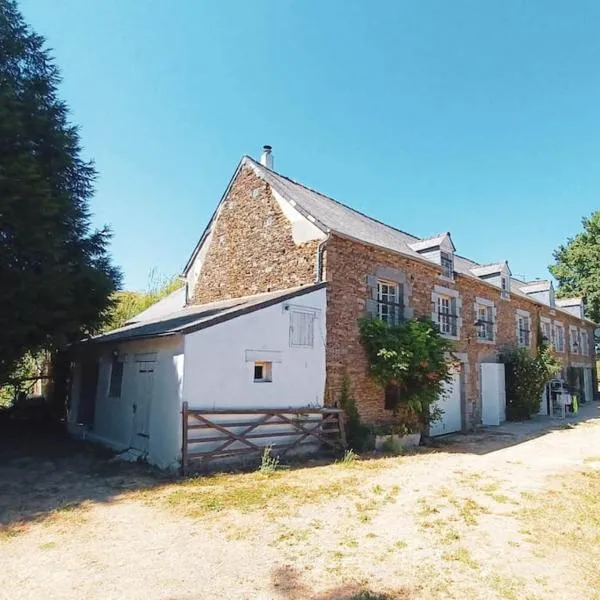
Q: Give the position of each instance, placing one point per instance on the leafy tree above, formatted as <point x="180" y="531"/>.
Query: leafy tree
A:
<point x="577" y="267"/>
<point x="56" y="278"/>
<point x="128" y="304"/>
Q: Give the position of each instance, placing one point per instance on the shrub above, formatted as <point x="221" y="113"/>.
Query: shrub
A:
<point x="527" y="373"/>
<point x="415" y="360"/>
<point x="268" y="463"/>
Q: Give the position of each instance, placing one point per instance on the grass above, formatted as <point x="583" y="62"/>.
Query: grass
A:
<point x="566" y="520"/>
<point x="468" y="509"/>
<point x="280" y="491"/>
<point x="461" y="555"/>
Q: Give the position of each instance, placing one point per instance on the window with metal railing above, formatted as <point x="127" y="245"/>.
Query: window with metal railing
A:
<point x="523" y="331"/>
<point x="447" y="317"/>
<point x="485" y="323"/>
<point x="390" y="302"/>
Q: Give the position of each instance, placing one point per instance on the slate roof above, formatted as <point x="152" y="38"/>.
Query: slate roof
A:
<point x="196" y="317"/>
<point x="483" y="270"/>
<point x="330" y="215"/>
<point x="531" y="287"/>
<point x="568" y="301"/>
<point x="169" y="304"/>
<point x="430" y="242"/>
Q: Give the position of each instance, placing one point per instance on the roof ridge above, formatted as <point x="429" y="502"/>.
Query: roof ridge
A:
<point x="306" y="187"/>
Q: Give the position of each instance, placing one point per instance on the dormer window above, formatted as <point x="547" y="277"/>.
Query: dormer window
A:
<point x="505" y="286"/>
<point x="447" y="264"/>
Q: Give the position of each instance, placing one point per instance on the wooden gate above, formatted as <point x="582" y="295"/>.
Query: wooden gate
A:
<point x="209" y="435"/>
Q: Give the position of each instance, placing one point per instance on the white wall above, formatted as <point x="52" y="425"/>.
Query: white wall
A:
<point x="217" y="374"/>
<point x="113" y="417"/>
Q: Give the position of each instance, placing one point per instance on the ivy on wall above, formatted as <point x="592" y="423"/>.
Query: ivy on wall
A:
<point x="412" y="359"/>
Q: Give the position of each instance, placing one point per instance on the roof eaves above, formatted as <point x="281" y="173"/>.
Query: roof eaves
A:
<point x="247" y="309"/>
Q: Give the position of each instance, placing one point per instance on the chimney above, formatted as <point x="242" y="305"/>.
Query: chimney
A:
<point x="266" y="158"/>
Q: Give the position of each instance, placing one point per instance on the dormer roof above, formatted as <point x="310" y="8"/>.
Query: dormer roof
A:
<point x="433" y="242"/>
<point x="491" y="269"/>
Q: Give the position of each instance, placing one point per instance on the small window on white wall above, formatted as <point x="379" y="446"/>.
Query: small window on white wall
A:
<point x="116" y="377"/>
<point x="301" y="329"/>
<point x="263" y="371"/>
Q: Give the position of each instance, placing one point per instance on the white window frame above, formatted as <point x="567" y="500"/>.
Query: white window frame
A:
<point x="574" y="339"/>
<point x="440" y="297"/>
<point x="267" y="371"/>
<point x="546" y="324"/>
<point x="447" y="270"/>
<point x="504" y="286"/>
<point x="523" y="317"/>
<point x="387" y="300"/>
<point x="559" y="328"/>
<point x="584" y="342"/>
<point x="489" y="328"/>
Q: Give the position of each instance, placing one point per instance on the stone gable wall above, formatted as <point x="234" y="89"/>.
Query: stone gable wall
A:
<point x="252" y="249"/>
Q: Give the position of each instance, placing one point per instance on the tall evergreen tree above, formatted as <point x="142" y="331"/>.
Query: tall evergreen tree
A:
<point x="56" y="278"/>
<point x="577" y="267"/>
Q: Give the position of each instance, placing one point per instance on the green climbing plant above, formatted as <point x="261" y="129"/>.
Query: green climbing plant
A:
<point x="414" y="358"/>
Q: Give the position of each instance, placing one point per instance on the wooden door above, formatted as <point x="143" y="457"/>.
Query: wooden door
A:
<point x="142" y="405"/>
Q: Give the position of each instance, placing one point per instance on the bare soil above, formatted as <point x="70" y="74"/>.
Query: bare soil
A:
<point x="497" y="515"/>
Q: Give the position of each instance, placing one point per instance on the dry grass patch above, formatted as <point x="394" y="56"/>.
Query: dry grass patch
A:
<point x="280" y="492"/>
<point x="565" y="521"/>
<point x="461" y="555"/>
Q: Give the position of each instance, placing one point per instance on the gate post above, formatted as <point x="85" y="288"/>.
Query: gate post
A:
<point x="184" y="438"/>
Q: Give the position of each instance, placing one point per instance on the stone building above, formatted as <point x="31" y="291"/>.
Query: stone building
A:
<point x="271" y="233"/>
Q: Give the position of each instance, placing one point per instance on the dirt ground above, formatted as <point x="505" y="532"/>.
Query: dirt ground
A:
<point x="500" y="515"/>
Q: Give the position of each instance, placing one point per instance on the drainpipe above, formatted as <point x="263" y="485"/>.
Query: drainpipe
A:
<point x="319" y="269"/>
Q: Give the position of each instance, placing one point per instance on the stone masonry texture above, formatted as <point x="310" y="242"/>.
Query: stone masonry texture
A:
<point x="348" y="265"/>
<point x="252" y="249"/>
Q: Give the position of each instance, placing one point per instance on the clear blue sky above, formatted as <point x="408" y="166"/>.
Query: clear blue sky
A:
<point x="480" y="118"/>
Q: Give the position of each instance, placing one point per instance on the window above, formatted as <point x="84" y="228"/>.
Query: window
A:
<point x="547" y="332"/>
<point x="116" y="377"/>
<point x="504" y="286"/>
<point x="523" y="330"/>
<point x="263" y="371"/>
<point x="485" y="322"/>
<point x="447" y="318"/>
<point x="301" y="329"/>
<point x="447" y="264"/>
<point x="585" y="343"/>
<point x="392" y="396"/>
<point x="390" y="306"/>
<point x="560" y="338"/>
<point x="574" y="340"/>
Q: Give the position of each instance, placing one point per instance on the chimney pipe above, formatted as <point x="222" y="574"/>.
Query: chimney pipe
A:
<point x="266" y="158"/>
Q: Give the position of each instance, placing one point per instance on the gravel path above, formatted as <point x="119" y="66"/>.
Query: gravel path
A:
<point x="442" y="524"/>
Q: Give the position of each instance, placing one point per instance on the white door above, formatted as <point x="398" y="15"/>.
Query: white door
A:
<point x="544" y="401"/>
<point x="450" y="403"/>
<point x="588" y="384"/>
<point x="142" y="404"/>
<point x="493" y="395"/>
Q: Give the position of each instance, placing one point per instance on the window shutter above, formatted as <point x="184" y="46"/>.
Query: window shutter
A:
<point x="490" y="322"/>
<point x="371" y="302"/>
<point x="454" y="317"/>
<point x="301" y="329"/>
<point x="372" y="287"/>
